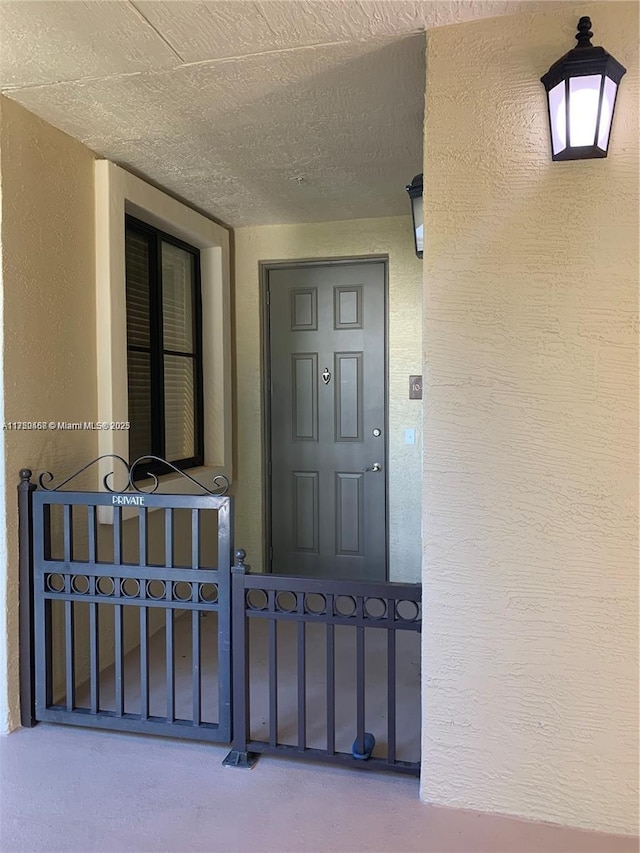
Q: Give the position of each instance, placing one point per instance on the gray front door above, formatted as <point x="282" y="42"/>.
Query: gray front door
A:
<point x="327" y="420"/>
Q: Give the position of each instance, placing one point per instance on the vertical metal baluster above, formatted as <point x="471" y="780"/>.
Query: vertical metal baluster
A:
<point x="69" y="654"/>
<point x="26" y="590"/>
<point x="44" y="693"/>
<point x="195" y="666"/>
<point x="302" y="686"/>
<point x="117" y="535"/>
<point x="195" y="623"/>
<point x="92" y="531"/>
<point x="169" y="652"/>
<point x="331" y="686"/>
<point x="360" y="681"/>
<point x="391" y="689"/>
<point x="94" y="625"/>
<point x="225" y="544"/>
<point x="143" y="535"/>
<point x="46" y="531"/>
<point x="144" y="662"/>
<point x="117" y="614"/>
<point x="117" y="626"/>
<point x="47" y="694"/>
<point x="67" y="533"/>
<point x="69" y="632"/>
<point x="273" y="678"/>
<point x="195" y="540"/>
<point x="94" y="653"/>
<point x="168" y="538"/>
<point x="171" y="680"/>
<point x="240" y="659"/>
<point x="43" y="619"/>
<point x="143" y="540"/>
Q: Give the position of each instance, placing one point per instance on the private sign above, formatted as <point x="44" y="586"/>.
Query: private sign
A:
<point x="127" y="500"/>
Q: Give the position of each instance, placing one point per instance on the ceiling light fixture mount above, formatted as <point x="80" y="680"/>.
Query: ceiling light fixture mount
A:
<point x="581" y="95"/>
<point x="417" y="211"/>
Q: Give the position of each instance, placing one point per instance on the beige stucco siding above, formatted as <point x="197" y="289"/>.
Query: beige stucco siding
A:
<point x="49" y="321"/>
<point x="530" y="661"/>
<point x="391" y="236"/>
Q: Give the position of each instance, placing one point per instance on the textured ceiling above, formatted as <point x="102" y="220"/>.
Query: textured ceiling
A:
<point x="255" y="112"/>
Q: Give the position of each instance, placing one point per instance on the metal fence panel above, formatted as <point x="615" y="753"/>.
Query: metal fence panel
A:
<point x="92" y="617"/>
<point x="113" y="591"/>
<point x="337" y="605"/>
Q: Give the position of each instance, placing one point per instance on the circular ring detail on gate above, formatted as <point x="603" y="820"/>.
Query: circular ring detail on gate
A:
<point x="375" y="608"/>
<point x="130" y="587"/>
<point x="105" y="586"/>
<point x="55" y="583"/>
<point x="345" y="605"/>
<point x="407" y="611"/>
<point x="315" y="603"/>
<point x="182" y="591"/>
<point x="156" y="590"/>
<point x="286" y="602"/>
<point x="208" y="592"/>
<point x="80" y="584"/>
<point x="256" y="599"/>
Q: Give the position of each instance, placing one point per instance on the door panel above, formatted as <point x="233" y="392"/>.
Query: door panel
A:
<point x="305" y="521"/>
<point x="348" y="393"/>
<point x="349" y="511"/>
<point x="327" y="420"/>
<point x="304" y="396"/>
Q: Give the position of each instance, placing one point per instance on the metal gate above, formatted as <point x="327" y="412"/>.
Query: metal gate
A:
<point x="126" y="624"/>
<point x="111" y="587"/>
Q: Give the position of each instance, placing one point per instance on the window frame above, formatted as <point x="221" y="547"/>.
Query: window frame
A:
<point x="118" y="192"/>
<point x="157" y="350"/>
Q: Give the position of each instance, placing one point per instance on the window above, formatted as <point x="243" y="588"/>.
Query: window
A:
<point x="164" y="347"/>
<point x="119" y="195"/>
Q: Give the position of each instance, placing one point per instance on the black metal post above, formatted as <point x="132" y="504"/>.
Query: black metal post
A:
<point x="239" y="755"/>
<point x="25" y="543"/>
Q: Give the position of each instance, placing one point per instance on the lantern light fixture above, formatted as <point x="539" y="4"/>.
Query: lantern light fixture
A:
<point x="417" y="211"/>
<point x="581" y="96"/>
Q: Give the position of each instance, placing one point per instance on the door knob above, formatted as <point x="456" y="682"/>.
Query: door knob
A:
<point x="376" y="467"/>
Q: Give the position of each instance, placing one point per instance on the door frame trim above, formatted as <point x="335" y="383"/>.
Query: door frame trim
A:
<point x="265" y="268"/>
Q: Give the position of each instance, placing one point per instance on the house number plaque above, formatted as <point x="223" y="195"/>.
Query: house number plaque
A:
<point x="415" y="387"/>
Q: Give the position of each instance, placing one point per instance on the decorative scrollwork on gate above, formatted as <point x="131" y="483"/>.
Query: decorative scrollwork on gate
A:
<point x="220" y="482"/>
<point x="47" y="477"/>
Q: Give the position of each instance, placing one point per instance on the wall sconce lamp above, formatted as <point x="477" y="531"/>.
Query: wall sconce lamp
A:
<point x="581" y="93"/>
<point x="417" y="211"/>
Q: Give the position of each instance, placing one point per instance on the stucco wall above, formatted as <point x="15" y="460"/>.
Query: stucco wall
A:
<point x="49" y="323"/>
<point x="530" y="663"/>
<point x="392" y="236"/>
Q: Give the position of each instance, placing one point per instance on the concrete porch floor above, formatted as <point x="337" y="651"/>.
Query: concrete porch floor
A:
<point x="66" y="789"/>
